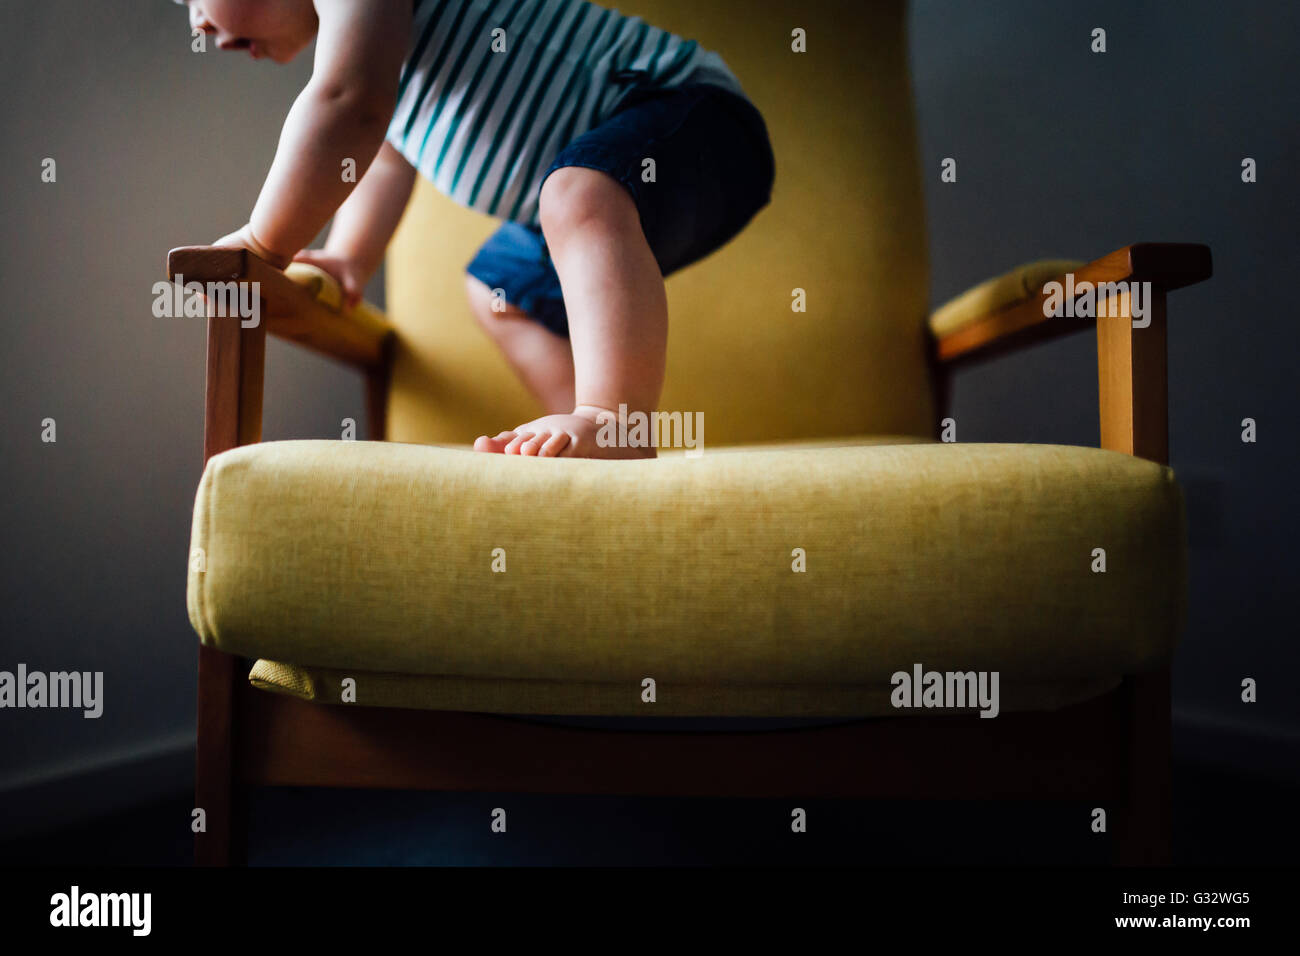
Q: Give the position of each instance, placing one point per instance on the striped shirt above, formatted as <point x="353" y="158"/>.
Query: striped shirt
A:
<point x="482" y="113"/>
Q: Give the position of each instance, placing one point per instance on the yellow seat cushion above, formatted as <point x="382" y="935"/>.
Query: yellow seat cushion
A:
<point x="377" y="559"/>
<point x="1018" y="285"/>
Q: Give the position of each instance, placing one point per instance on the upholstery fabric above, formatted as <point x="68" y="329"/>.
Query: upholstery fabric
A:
<point x="845" y="225"/>
<point x="1018" y="285"/>
<point x="378" y="557"/>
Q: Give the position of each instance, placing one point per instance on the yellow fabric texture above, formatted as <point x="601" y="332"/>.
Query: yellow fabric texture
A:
<point x="1018" y="285"/>
<point x="378" y="558"/>
<point x="846" y="226"/>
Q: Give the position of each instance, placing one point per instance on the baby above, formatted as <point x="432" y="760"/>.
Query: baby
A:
<point x="615" y="152"/>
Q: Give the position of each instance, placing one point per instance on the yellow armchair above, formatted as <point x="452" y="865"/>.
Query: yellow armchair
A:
<point x="406" y="607"/>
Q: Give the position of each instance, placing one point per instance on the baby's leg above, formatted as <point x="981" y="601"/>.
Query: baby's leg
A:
<point x="613" y="290"/>
<point x="542" y="360"/>
<point x="617" y="312"/>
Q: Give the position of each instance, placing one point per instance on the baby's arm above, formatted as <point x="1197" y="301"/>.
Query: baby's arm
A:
<point x="342" y="113"/>
<point x="365" y="223"/>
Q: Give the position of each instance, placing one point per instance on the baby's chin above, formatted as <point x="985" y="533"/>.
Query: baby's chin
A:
<point x="279" y="53"/>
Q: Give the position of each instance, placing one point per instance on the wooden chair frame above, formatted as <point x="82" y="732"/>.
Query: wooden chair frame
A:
<point x="1114" y="749"/>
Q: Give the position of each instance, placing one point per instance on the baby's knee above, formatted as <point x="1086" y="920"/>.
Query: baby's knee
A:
<point x="573" y="197"/>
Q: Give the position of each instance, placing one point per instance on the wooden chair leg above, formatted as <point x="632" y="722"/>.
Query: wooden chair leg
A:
<point x="377" y="382"/>
<point x="233" y="417"/>
<point x="224" y="841"/>
<point x="1144" y="834"/>
<point x="1134" y="393"/>
<point x="1132" y="379"/>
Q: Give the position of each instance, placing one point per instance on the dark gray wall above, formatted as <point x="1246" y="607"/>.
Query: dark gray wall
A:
<point x="156" y="146"/>
<point x="1063" y="152"/>
<point x="1060" y="152"/>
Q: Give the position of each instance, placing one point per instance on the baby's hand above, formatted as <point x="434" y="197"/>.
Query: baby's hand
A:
<point x="242" y="238"/>
<point x="348" y="273"/>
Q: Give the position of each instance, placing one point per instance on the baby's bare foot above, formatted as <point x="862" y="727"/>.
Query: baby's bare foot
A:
<point x="564" y="436"/>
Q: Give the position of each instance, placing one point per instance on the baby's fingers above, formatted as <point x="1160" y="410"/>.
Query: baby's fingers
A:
<point x="352" y="291"/>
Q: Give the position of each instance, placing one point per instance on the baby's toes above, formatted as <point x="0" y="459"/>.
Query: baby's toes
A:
<point x="533" y="444"/>
<point x="512" y="447"/>
<point x="496" y="445"/>
<point x="554" y="445"/>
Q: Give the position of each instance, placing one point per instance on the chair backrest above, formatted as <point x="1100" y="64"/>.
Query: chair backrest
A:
<point x="846" y="225"/>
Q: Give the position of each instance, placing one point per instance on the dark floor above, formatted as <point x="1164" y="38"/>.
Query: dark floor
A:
<point x="1219" y="819"/>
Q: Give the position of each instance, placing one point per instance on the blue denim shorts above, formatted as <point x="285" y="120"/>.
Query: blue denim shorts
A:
<point x="713" y="171"/>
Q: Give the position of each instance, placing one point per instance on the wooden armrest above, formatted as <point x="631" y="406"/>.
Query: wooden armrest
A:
<point x="1166" y="265"/>
<point x="288" y="309"/>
